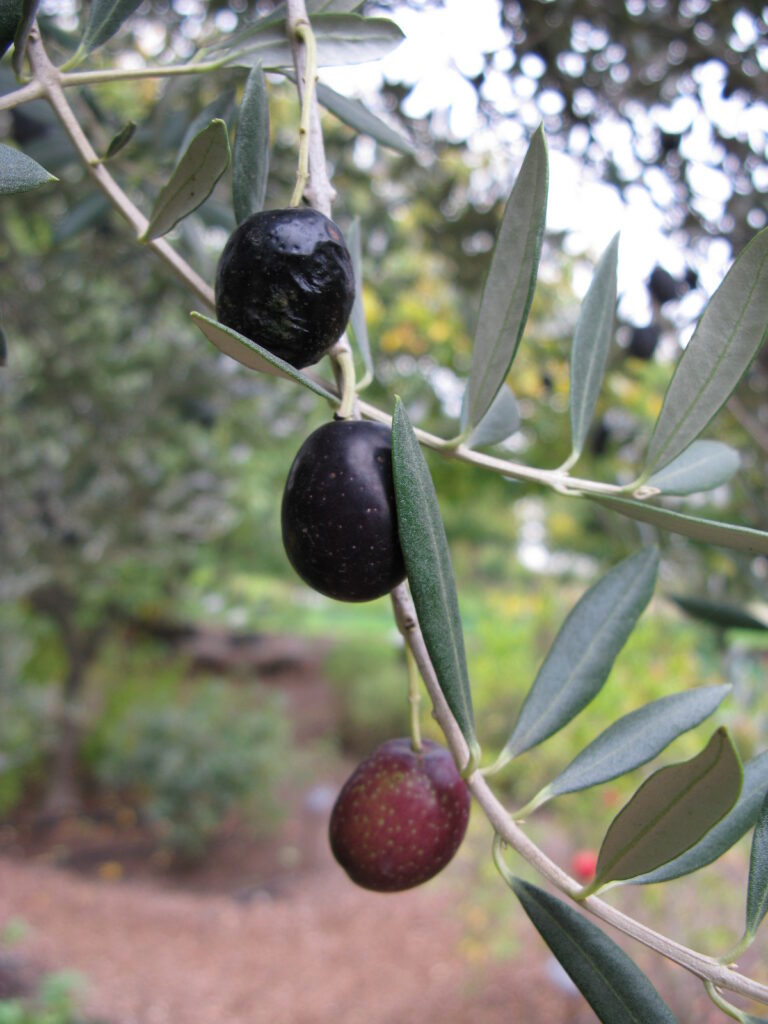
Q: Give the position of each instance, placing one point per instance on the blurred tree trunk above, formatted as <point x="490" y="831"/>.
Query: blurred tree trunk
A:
<point x="80" y="645"/>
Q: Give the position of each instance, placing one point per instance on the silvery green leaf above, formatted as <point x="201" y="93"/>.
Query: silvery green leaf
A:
<point x="357" y="316"/>
<point x="251" y="157"/>
<point x="220" y="107"/>
<point x="333" y="6"/>
<point x="672" y="810"/>
<point x="508" y="289"/>
<point x="615" y="988"/>
<point x="702" y="466"/>
<point x="192" y="181"/>
<point x="729" y="334"/>
<point x="637" y="738"/>
<point x="3" y="348"/>
<point x="20" y="173"/>
<point x="104" y="19"/>
<point x="500" y="422"/>
<point x="120" y="140"/>
<point x="727" y="616"/>
<point x="10" y="16"/>
<point x="728" y="831"/>
<point x="591" y="344"/>
<point x="757" y="889"/>
<point x="249" y="354"/>
<point x="430" y="575"/>
<point x="24" y="27"/>
<point x="583" y="652"/>
<point x="708" y="531"/>
<point x="354" y="114"/>
<point x="341" y="39"/>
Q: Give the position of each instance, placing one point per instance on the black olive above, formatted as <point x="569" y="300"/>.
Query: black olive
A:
<point x="338" y="516"/>
<point x="285" y="280"/>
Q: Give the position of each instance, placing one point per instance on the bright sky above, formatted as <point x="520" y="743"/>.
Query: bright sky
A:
<point x="442" y="43"/>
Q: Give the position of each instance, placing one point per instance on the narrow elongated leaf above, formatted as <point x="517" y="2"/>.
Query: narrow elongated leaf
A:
<point x="671" y="812"/>
<point x="220" y="107"/>
<point x="333" y="6"/>
<point x="121" y="140"/>
<point x="757" y="889"/>
<point x="341" y="39"/>
<point x="615" y="988"/>
<point x="24" y="27"/>
<point x="20" y="173"/>
<point x="428" y="562"/>
<point x="3" y="348"/>
<point x="247" y="352"/>
<point x="708" y="531"/>
<point x="591" y="343"/>
<point x="727" y="831"/>
<point x="508" y="289"/>
<point x="728" y="336"/>
<point x="10" y="16"/>
<point x="357" y="316"/>
<point x="192" y="181"/>
<point x="702" y="466"/>
<point x="584" y="650"/>
<point x="500" y="422"/>
<point x="251" y="158"/>
<point x="637" y="738"/>
<point x="354" y="114"/>
<point x="727" y="616"/>
<point x="104" y="19"/>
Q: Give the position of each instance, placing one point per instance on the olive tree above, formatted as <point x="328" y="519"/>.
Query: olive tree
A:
<point x="684" y="815"/>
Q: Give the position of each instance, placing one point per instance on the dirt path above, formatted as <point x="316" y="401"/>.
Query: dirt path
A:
<point x="326" y="953"/>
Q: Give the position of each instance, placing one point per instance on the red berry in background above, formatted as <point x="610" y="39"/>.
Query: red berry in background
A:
<point x="285" y="280"/>
<point x="338" y="515"/>
<point x="583" y="865"/>
<point x="400" y="817"/>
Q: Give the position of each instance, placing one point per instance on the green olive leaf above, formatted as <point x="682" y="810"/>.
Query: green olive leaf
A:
<point x="249" y="354"/>
<point x="728" y="336"/>
<point x="20" y="173"/>
<point x="615" y="988"/>
<point x="104" y="19"/>
<point x="726" y="616"/>
<point x="583" y="652"/>
<point x="509" y="285"/>
<point x="591" y="344"/>
<point x="670" y="812"/>
<point x="635" y="739"/>
<point x="121" y="140"/>
<point x="702" y="466"/>
<point x="24" y="27"/>
<point x="357" y="316"/>
<point x="192" y="181"/>
<point x="757" y="889"/>
<point x="728" y="830"/>
<point x="250" y="168"/>
<point x="430" y="574"/>
<point x="10" y="16"/>
<point x="354" y="114"/>
<point x="708" y="531"/>
<point x="500" y="422"/>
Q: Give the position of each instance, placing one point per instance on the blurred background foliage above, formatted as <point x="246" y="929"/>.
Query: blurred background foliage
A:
<point x="142" y="472"/>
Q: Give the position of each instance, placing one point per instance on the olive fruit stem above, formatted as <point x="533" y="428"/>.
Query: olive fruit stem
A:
<point x="414" y="699"/>
<point x="303" y="32"/>
<point x="346" y="364"/>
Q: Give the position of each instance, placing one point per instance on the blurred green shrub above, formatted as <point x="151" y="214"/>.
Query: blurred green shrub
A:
<point x="55" y="1002"/>
<point x="191" y="764"/>
<point x="369" y="678"/>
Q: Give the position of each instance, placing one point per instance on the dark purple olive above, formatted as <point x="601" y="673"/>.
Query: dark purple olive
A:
<point x="285" y="281"/>
<point x="400" y="817"/>
<point x="338" y="516"/>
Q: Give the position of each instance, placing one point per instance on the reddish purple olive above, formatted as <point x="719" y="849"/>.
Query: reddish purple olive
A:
<point x="400" y="817"/>
<point x="285" y="280"/>
<point x="338" y="516"/>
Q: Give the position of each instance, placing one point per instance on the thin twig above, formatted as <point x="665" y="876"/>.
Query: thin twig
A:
<point x="47" y="77"/>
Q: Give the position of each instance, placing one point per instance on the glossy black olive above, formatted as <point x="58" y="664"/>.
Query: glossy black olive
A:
<point x="338" y="517"/>
<point x="285" y="280"/>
